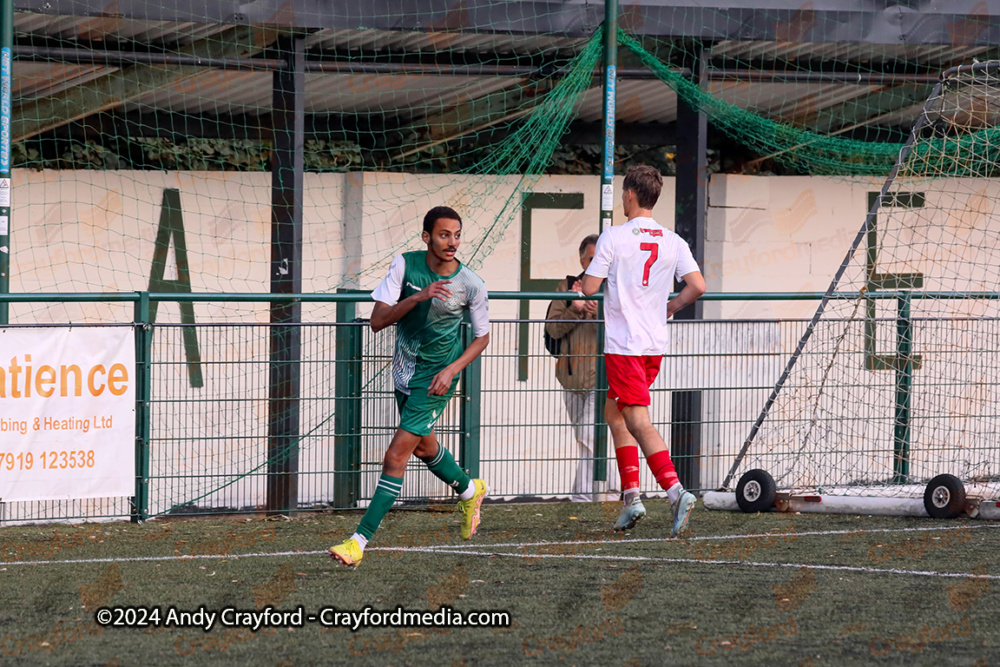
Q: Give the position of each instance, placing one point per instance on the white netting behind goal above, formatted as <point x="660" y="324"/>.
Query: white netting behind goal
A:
<point x="897" y="379"/>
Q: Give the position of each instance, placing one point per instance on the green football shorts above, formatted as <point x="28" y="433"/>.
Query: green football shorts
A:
<point x="418" y="412"/>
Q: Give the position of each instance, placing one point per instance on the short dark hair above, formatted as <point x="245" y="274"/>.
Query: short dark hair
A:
<point x="590" y="240"/>
<point x="645" y="182"/>
<point x="436" y="214"/>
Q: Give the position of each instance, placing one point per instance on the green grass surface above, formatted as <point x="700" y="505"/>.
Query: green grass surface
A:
<point x="641" y="600"/>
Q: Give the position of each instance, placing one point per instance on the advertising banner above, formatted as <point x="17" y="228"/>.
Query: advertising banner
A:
<point x="67" y="413"/>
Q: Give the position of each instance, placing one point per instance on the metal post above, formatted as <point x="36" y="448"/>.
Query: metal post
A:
<point x="471" y="411"/>
<point x="6" y="42"/>
<point x="347" y="408"/>
<point x="288" y="115"/>
<point x="691" y="198"/>
<point x="607" y="210"/>
<point x="143" y="385"/>
<point x="691" y="184"/>
<point x="610" y="79"/>
<point x="601" y="394"/>
<point x="904" y="380"/>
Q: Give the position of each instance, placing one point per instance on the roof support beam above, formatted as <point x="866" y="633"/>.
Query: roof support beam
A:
<point x="691" y="210"/>
<point x="966" y="22"/>
<point x="283" y="432"/>
<point x="865" y="109"/>
<point x="473" y="115"/>
<point x="769" y="72"/>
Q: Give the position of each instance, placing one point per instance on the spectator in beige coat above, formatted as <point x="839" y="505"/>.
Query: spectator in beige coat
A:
<point x="573" y="323"/>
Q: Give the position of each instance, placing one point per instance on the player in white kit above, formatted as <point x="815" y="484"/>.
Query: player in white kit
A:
<point x="640" y="261"/>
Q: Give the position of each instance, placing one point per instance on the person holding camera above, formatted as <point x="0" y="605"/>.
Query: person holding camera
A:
<point x="571" y="324"/>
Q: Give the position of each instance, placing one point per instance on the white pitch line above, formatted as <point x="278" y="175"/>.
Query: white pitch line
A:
<point x="660" y="559"/>
<point x="465" y="548"/>
<point x="670" y="540"/>
<point x="150" y="559"/>
<point x="657" y="559"/>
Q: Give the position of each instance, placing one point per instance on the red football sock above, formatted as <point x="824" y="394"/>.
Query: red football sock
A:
<point x="663" y="469"/>
<point x="628" y="467"/>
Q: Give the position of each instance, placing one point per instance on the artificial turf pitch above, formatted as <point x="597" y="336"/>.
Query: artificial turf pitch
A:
<point x="768" y="589"/>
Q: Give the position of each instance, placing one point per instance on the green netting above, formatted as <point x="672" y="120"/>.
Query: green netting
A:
<point x="373" y="174"/>
<point x="527" y="151"/>
<point x="105" y="225"/>
<point x="804" y="150"/>
<point x="524" y="153"/>
<point x="809" y="152"/>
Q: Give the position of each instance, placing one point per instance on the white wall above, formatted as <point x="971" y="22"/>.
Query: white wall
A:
<point x="779" y="234"/>
<point x="92" y="231"/>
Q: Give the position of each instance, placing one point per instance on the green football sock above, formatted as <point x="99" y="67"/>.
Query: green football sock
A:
<point x="445" y="468"/>
<point x="386" y="492"/>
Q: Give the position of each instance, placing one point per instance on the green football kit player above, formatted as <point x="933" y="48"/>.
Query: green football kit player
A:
<point x="426" y="294"/>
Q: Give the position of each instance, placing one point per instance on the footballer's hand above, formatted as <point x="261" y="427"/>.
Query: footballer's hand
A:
<point x="441" y="382"/>
<point x="436" y="290"/>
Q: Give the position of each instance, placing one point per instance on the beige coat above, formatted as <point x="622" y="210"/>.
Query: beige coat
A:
<point x="576" y="367"/>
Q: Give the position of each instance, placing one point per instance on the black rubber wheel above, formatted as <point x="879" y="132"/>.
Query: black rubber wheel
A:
<point x="944" y="497"/>
<point x="755" y="492"/>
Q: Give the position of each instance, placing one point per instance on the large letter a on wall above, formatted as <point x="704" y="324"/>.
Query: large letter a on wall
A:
<point x="172" y="227"/>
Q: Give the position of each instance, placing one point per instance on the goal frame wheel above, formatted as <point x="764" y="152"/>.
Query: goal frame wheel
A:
<point x="944" y="497"/>
<point x="755" y="491"/>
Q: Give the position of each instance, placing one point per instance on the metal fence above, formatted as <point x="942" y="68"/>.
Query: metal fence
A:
<point x="206" y="443"/>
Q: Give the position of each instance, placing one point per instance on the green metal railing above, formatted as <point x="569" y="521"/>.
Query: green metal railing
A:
<point x="203" y="449"/>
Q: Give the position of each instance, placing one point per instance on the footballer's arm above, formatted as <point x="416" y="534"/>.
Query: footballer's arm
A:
<point x="442" y="381"/>
<point x="384" y="315"/>
<point x="591" y="284"/>
<point x="694" y="287"/>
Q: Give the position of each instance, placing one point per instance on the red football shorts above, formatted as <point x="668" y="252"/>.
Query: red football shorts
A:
<point x="629" y="378"/>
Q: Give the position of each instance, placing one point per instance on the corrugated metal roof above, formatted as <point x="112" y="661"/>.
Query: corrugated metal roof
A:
<point x="407" y="96"/>
<point x="113" y="29"/>
<point x="789" y="102"/>
<point x="965" y="110"/>
<point x="237" y="92"/>
<point x="654" y="101"/>
<point x="637" y="101"/>
<point x="933" y="55"/>
<point x="159" y="33"/>
<point x="33" y="80"/>
<point x="414" y="42"/>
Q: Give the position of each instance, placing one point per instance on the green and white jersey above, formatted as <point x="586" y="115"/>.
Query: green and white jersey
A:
<point x="428" y="337"/>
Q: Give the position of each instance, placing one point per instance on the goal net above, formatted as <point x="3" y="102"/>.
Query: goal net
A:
<point x="895" y="379"/>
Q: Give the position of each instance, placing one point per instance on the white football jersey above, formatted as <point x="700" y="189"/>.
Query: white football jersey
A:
<point x="640" y="261"/>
